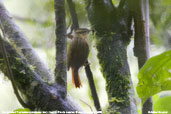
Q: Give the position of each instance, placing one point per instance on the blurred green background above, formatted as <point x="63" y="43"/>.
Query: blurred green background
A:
<point x="37" y="21"/>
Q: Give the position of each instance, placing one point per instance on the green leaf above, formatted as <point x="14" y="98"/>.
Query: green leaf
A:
<point x="155" y="76"/>
<point x="163" y="104"/>
<point x="19" y="111"/>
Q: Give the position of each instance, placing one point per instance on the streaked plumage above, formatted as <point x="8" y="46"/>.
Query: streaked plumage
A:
<point x="78" y="54"/>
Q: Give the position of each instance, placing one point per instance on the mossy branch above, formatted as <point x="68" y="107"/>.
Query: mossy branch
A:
<point x="14" y="34"/>
<point x="61" y="44"/>
<point x="113" y="32"/>
<point x="10" y="75"/>
<point x="38" y="93"/>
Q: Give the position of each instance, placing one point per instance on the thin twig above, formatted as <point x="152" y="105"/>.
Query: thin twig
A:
<point x="87" y="105"/>
<point x="87" y="67"/>
<point x="9" y="71"/>
<point x="92" y="86"/>
<point x="26" y="19"/>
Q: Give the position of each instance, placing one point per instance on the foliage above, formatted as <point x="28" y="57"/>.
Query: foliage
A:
<point x="160" y="25"/>
<point x="19" y="111"/>
<point x="162" y="104"/>
<point x="41" y="35"/>
<point x="155" y="76"/>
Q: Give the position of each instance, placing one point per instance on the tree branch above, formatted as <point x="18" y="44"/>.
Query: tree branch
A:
<point x="38" y="93"/>
<point x="10" y="75"/>
<point x="14" y="34"/>
<point x="73" y="13"/>
<point x="26" y="19"/>
<point x="141" y="44"/>
<point x="61" y="44"/>
<point x="141" y="48"/>
<point x="41" y="95"/>
<point x="87" y="67"/>
<point x="92" y="87"/>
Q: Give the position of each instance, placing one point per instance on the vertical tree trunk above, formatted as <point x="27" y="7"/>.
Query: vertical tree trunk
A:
<point x="61" y="44"/>
<point x="141" y="49"/>
<point x="148" y="105"/>
<point x="112" y="28"/>
<point x="113" y="60"/>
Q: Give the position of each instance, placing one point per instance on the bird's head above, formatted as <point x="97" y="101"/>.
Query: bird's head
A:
<point x="82" y="33"/>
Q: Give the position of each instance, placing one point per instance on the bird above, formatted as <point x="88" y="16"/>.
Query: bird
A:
<point x="77" y="54"/>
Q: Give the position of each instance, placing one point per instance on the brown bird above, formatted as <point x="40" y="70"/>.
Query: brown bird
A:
<point x="78" y="54"/>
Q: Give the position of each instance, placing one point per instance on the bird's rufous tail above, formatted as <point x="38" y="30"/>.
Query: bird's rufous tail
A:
<point x="75" y="78"/>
